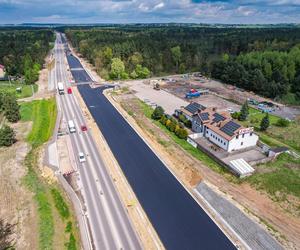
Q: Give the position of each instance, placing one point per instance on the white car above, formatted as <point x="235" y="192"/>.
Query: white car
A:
<point x="81" y="157"/>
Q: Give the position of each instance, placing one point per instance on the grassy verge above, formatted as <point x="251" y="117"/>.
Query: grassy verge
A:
<point x="43" y="115"/>
<point x="147" y="110"/>
<point x="279" y="178"/>
<point x="275" y="135"/>
<point x="46" y="223"/>
<point x="26" y="90"/>
<point x="48" y="198"/>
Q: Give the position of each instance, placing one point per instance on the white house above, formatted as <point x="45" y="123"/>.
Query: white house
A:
<point x="219" y="128"/>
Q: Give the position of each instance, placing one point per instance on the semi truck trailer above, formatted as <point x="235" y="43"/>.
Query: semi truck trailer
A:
<point x="60" y="87"/>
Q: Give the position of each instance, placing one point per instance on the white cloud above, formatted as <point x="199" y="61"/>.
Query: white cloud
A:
<point x="159" y="6"/>
<point x="232" y="11"/>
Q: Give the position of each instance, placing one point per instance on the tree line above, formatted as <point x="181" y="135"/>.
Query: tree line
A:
<point x="22" y="52"/>
<point x="270" y="73"/>
<point x="137" y="52"/>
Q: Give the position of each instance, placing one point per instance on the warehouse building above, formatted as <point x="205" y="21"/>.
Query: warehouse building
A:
<point x="219" y="128"/>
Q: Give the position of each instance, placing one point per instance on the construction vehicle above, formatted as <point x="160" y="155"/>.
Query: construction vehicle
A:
<point x="156" y="86"/>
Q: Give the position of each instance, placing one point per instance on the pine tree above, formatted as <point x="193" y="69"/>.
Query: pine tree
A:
<point x="244" y="112"/>
<point x="265" y="123"/>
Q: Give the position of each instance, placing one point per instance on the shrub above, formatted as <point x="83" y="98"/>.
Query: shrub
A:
<point x="7" y="136"/>
<point x="163" y="120"/>
<point x="188" y="123"/>
<point x="176" y="129"/>
<point x="168" y="123"/>
<point x="172" y="126"/>
<point x="235" y="115"/>
<point x="282" y="123"/>
<point x="157" y="113"/>
<point x="182" y="133"/>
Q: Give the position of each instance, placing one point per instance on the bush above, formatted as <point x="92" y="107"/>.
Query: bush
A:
<point x="163" y="120"/>
<point x="282" y="123"/>
<point x="157" y="113"/>
<point x="10" y="106"/>
<point x="172" y="126"/>
<point x="188" y="123"/>
<point x="235" y="115"/>
<point x="7" y="136"/>
<point x="182" y="133"/>
<point x="182" y="118"/>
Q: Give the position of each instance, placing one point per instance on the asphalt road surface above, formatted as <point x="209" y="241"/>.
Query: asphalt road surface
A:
<point x="178" y="219"/>
<point x="108" y="220"/>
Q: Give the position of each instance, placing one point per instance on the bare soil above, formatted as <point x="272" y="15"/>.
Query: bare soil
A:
<point x="282" y="225"/>
<point x="17" y="204"/>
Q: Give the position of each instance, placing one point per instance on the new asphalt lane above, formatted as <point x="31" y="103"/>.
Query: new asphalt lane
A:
<point x="178" y="219"/>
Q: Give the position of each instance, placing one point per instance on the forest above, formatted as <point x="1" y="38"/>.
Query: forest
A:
<point x="23" y="51"/>
<point x="264" y="60"/>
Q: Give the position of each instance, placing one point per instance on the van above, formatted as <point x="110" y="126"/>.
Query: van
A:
<point x="71" y="126"/>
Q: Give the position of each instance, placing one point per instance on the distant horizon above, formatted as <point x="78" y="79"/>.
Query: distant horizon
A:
<point x="144" y="23"/>
<point x="245" y="12"/>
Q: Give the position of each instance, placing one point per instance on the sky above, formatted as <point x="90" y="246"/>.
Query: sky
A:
<point x="151" y="11"/>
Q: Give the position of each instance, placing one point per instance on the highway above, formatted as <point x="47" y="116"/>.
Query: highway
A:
<point x="178" y="219"/>
<point x="109" y="224"/>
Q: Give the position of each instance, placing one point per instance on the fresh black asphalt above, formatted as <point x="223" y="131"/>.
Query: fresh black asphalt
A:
<point x="178" y="219"/>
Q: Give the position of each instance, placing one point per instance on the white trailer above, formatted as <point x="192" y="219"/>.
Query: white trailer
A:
<point x="60" y="87"/>
<point x="71" y="126"/>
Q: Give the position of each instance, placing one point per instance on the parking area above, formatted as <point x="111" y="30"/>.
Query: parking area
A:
<point x="222" y="96"/>
<point x="146" y="93"/>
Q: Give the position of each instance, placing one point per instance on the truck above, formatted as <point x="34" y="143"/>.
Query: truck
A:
<point x="60" y="87"/>
<point x="192" y="93"/>
<point x="71" y="126"/>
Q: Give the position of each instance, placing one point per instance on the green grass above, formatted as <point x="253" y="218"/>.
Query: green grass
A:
<point x="60" y="204"/>
<point x="43" y="115"/>
<point x="198" y="154"/>
<point x="26" y="90"/>
<point x="46" y="224"/>
<point x="275" y="136"/>
<point x="279" y="178"/>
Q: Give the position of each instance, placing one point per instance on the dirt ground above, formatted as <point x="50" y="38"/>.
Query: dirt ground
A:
<point x="229" y="92"/>
<point x="190" y="171"/>
<point x="16" y="201"/>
